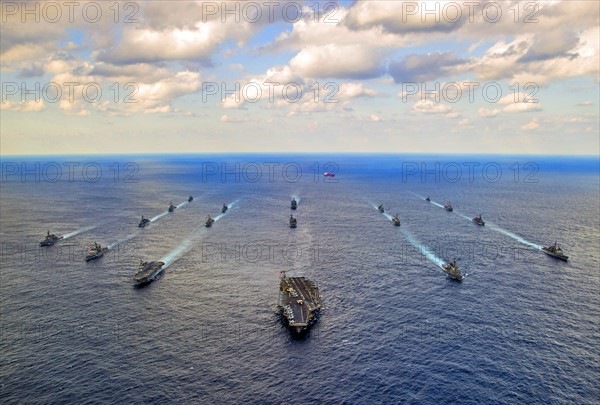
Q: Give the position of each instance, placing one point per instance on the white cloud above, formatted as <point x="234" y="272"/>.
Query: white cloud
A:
<point x="333" y="60"/>
<point x="522" y="107"/>
<point x="23" y="106"/>
<point x="488" y="113"/>
<point x="228" y="119"/>
<point x="431" y="107"/>
<point x="533" y="124"/>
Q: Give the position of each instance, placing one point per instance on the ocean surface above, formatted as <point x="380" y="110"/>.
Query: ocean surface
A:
<point x="522" y="327"/>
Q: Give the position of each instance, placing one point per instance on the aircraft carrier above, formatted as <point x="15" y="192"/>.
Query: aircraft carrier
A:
<point x="299" y="303"/>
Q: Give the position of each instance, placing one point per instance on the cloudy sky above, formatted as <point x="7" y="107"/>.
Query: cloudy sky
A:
<point x="284" y="76"/>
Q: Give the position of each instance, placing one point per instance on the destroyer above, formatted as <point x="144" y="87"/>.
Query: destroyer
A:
<point x="555" y="251"/>
<point x="299" y="303"/>
<point x="451" y="268"/>
<point x="294" y="204"/>
<point x="147" y="272"/>
<point x="448" y="207"/>
<point x="293" y="222"/>
<point x="143" y="222"/>
<point x="478" y="220"/>
<point x="95" y="252"/>
<point x="224" y="209"/>
<point x="396" y="220"/>
<point x="171" y="207"/>
<point x="380" y="208"/>
<point x="50" y="240"/>
<point x="208" y="221"/>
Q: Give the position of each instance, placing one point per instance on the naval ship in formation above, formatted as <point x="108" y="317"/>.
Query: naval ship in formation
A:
<point x="143" y="222"/>
<point x="452" y="269"/>
<point x="147" y="273"/>
<point x="50" y="240"/>
<point x="299" y="303"/>
<point x="478" y="220"/>
<point x="555" y="251"/>
<point x="95" y="252"/>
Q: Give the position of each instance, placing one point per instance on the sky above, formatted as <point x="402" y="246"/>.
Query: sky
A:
<point x="498" y="77"/>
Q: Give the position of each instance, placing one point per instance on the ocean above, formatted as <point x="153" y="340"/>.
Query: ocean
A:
<point x="522" y="327"/>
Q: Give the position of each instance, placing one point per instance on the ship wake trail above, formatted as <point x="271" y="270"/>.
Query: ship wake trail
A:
<point x="422" y="198"/>
<point x="385" y="214"/>
<point x="230" y="206"/>
<point x="77" y="232"/>
<point x="159" y="216"/>
<point x="173" y="256"/>
<point x="425" y="251"/>
<point x="512" y="235"/>
<point x="463" y="216"/>
<point x="180" y="250"/>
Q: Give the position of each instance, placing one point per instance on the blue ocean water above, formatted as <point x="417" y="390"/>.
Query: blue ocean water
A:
<point x="522" y="327"/>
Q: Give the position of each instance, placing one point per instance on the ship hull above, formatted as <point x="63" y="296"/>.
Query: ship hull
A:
<point x="560" y="257"/>
<point x="50" y="242"/>
<point x="454" y="275"/>
<point x="299" y="304"/>
<point x="97" y="255"/>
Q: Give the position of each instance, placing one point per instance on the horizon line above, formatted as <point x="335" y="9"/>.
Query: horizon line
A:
<point x="3" y="156"/>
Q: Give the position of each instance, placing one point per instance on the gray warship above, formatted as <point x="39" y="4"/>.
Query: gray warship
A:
<point x="147" y="272"/>
<point x="478" y="220"/>
<point x="299" y="303"/>
<point x="95" y="252"/>
<point x="143" y="222"/>
<point x="452" y="269"/>
<point x="555" y="251"/>
<point x="50" y="240"/>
